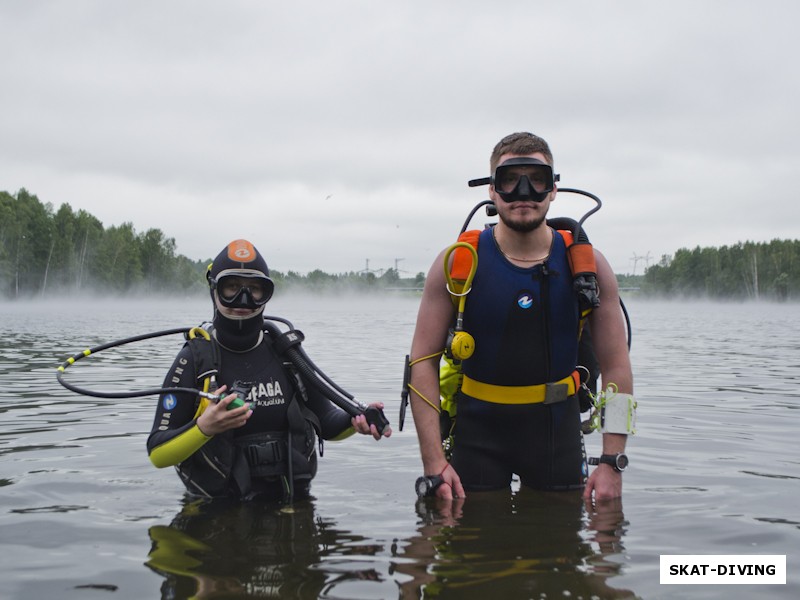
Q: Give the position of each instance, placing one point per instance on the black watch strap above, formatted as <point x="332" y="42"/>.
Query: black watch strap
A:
<point x="428" y="484"/>
<point x="619" y="462"/>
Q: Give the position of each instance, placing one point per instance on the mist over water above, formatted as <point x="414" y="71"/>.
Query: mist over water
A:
<point x="714" y="468"/>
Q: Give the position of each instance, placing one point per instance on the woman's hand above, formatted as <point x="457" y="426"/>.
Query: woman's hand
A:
<point x="361" y="426"/>
<point x="216" y="418"/>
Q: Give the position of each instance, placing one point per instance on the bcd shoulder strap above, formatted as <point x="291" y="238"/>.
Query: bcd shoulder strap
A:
<point x="205" y="352"/>
<point x="580" y="256"/>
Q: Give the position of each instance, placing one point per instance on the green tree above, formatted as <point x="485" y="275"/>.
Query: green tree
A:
<point x="740" y="271"/>
<point x="157" y="258"/>
<point x="117" y="266"/>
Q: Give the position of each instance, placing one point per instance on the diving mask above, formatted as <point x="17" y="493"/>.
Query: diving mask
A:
<point x="242" y="289"/>
<point x="521" y="179"/>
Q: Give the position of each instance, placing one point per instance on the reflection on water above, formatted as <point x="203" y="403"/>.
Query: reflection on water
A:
<point x="514" y="545"/>
<point x="224" y="549"/>
<point x="714" y="470"/>
<point x="523" y="545"/>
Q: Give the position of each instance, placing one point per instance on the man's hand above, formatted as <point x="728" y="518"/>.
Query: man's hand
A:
<point x="605" y="482"/>
<point x="451" y="487"/>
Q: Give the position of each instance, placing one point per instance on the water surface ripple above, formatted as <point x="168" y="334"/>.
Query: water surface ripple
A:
<point x="83" y="514"/>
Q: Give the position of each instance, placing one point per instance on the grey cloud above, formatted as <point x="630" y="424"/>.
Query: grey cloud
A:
<point x="679" y="115"/>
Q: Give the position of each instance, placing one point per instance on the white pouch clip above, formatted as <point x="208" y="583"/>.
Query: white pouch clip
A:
<point x="614" y="412"/>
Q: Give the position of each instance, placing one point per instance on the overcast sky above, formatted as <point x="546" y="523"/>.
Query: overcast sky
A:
<point x="330" y="133"/>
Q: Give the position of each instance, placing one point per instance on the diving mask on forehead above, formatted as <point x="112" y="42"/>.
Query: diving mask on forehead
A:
<point x="242" y="289"/>
<point x="521" y="179"/>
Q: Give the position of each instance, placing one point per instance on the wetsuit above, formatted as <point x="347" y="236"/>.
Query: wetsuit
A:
<point x="525" y="322"/>
<point x="253" y="459"/>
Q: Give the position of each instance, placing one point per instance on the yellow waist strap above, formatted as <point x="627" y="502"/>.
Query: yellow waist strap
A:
<point x="521" y="394"/>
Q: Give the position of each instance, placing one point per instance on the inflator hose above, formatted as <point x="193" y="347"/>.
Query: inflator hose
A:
<point x="136" y="394"/>
<point x="311" y="374"/>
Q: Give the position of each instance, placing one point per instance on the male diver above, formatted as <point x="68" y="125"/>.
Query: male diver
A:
<point x="517" y="407"/>
<point x="260" y="440"/>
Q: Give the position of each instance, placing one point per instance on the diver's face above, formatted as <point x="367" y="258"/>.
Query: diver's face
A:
<point x="526" y="213"/>
<point x="236" y="314"/>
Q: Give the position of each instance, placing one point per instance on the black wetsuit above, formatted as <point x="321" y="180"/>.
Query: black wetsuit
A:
<point x="254" y="459"/>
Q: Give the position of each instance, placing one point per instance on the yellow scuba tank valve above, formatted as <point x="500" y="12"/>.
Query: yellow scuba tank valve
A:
<point x="460" y="344"/>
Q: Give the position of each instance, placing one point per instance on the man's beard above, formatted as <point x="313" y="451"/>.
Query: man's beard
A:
<point x="523" y="226"/>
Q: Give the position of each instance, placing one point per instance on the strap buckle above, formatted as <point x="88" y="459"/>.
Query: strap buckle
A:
<point x="260" y="454"/>
<point x="555" y="392"/>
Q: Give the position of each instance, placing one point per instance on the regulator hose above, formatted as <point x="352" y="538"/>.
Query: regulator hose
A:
<point x="288" y="344"/>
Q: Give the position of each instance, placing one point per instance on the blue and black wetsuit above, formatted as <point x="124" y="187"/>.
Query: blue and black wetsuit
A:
<point x="518" y="410"/>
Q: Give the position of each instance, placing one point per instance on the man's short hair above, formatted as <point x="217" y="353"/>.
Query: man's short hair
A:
<point x="521" y="143"/>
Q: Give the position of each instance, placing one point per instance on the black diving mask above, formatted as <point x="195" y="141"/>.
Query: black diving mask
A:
<point x="240" y="289"/>
<point x="521" y="179"/>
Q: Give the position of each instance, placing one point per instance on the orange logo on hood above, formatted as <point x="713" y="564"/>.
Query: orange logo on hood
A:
<point x="241" y="251"/>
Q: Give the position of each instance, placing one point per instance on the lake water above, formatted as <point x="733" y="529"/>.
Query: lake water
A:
<point x="715" y="469"/>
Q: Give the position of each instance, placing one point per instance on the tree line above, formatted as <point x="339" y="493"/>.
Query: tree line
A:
<point x="747" y="270"/>
<point x="47" y="253"/>
<point x="50" y="253"/>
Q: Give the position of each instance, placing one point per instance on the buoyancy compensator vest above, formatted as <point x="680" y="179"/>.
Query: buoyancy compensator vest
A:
<point x="229" y="465"/>
<point x="583" y="273"/>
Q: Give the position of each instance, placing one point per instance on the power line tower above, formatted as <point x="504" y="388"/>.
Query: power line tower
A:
<point x="366" y="269"/>
<point x="637" y="257"/>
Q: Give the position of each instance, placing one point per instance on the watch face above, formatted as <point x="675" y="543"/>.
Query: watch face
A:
<point x="422" y="486"/>
<point x="622" y="461"/>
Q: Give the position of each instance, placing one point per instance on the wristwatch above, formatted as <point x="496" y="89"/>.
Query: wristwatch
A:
<point x="618" y="461"/>
<point x="427" y="485"/>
